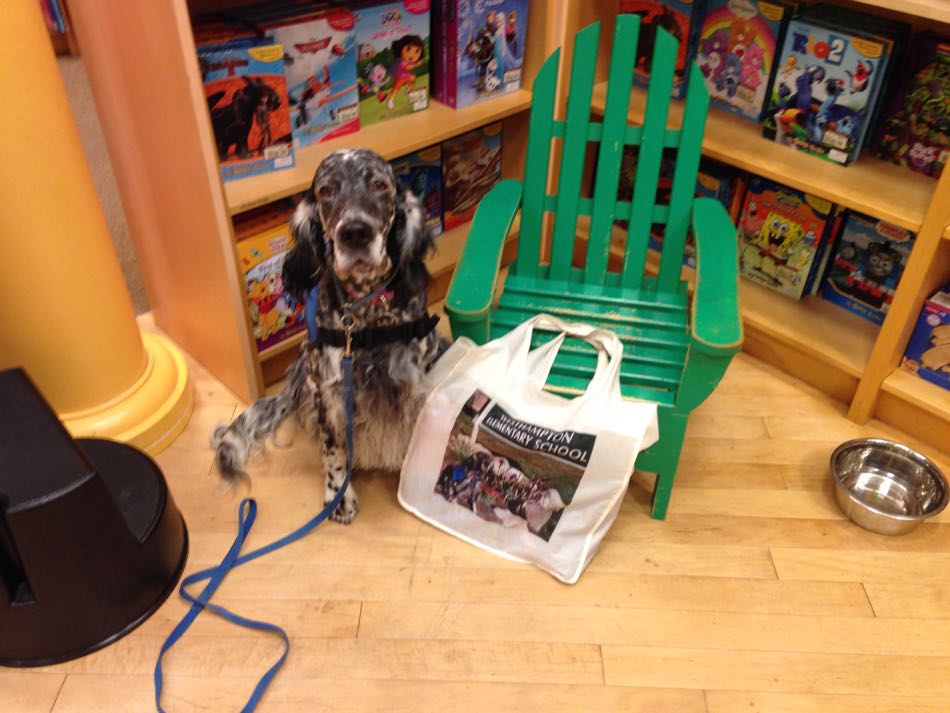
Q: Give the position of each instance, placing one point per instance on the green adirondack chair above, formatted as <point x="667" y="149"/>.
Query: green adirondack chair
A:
<point x="676" y="349"/>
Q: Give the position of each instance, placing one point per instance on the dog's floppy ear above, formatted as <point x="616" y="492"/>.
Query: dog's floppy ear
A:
<point x="409" y="242"/>
<point x="304" y="264"/>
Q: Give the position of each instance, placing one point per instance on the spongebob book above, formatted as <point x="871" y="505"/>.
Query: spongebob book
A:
<point x="781" y="234"/>
<point x="825" y="90"/>
<point x="421" y="173"/>
<point x="247" y="97"/>
<point x="392" y="58"/>
<point x="275" y="315"/>
<point x="480" y="49"/>
<point x="682" y="19"/>
<point x="736" y="52"/>
<point x="320" y="61"/>
<point x="868" y="262"/>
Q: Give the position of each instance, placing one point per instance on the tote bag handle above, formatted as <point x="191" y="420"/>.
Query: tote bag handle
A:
<point x="531" y="369"/>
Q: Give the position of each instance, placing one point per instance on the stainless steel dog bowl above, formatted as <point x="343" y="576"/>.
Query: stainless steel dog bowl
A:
<point x="887" y="487"/>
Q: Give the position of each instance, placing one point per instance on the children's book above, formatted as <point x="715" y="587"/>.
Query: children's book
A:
<point x="682" y="19"/>
<point x="915" y="127"/>
<point x="320" y="61"/>
<point x="421" y="173"/>
<point x="781" y="234"/>
<point x="275" y="315"/>
<point x="393" y="58"/>
<point x="714" y="180"/>
<point x="247" y="97"/>
<point x="736" y="52"/>
<point x="481" y="47"/>
<point x="895" y="34"/>
<point x="928" y="351"/>
<point x="471" y="166"/>
<point x="825" y="89"/>
<point x="869" y="259"/>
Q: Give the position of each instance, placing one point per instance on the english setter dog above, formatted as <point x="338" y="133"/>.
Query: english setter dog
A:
<point x="361" y="240"/>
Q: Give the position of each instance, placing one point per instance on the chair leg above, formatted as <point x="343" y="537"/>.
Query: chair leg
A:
<point x="672" y="430"/>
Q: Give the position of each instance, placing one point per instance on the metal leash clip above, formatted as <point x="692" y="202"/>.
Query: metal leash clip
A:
<point x="347" y="321"/>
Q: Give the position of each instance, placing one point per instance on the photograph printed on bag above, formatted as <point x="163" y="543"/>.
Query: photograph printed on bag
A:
<point x="511" y="472"/>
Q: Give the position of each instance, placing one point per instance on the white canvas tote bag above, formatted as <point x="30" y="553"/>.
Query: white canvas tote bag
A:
<point x="519" y="471"/>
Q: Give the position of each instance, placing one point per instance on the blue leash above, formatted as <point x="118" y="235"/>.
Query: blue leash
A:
<point x="247" y="512"/>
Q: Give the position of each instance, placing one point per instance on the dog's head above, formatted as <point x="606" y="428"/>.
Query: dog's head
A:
<point x="357" y="222"/>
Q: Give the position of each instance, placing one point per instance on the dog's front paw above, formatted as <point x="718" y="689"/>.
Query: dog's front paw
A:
<point x="345" y="512"/>
<point x="347" y="509"/>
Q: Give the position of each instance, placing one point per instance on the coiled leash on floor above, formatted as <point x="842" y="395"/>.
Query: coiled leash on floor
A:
<point x="348" y="338"/>
<point x="247" y="512"/>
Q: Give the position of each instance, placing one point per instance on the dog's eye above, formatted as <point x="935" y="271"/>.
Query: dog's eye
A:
<point x="379" y="185"/>
<point x="325" y="191"/>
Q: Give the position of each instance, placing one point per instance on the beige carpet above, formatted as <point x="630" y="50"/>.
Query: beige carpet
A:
<point x="80" y="99"/>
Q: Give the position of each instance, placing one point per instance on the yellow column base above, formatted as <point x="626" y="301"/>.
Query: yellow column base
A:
<point x="152" y="412"/>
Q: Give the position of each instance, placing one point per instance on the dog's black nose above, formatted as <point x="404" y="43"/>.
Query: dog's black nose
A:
<point x="356" y="234"/>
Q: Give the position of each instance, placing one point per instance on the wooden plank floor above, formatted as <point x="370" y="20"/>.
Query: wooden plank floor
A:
<point x="754" y="595"/>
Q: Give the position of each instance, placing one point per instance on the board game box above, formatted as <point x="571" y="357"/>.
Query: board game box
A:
<point x="682" y="19"/>
<point x="869" y="259"/>
<point x="247" y="97"/>
<point x="480" y="45"/>
<point x="825" y="89"/>
<point x="471" y="165"/>
<point x="320" y="61"/>
<point x="393" y="58"/>
<point x="915" y="126"/>
<point x="782" y="232"/>
<point x="736" y="52"/>
<point x="275" y="315"/>
<point x="714" y="180"/>
<point x="421" y="173"/>
<point x="928" y="351"/>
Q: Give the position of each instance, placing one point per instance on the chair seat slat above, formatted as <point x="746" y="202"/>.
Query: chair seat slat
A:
<point x="636" y="350"/>
<point x="570" y="384"/>
<point x="594" y="293"/>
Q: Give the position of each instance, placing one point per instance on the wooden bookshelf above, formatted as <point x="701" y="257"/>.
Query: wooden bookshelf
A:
<point x="887" y="191"/>
<point x="937" y="10"/>
<point x="179" y="211"/>
<point x="390" y="139"/>
<point x="916" y="405"/>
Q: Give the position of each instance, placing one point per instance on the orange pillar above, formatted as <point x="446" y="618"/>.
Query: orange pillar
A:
<point x="64" y="313"/>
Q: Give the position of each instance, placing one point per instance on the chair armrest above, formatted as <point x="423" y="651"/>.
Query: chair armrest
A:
<point x="473" y="284"/>
<point x="717" y="324"/>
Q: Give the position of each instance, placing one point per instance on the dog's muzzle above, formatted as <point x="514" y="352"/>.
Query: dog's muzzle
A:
<point x="355" y="234"/>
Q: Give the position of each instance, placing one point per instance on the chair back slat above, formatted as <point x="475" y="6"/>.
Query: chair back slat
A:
<point x="575" y="146"/>
<point x="540" y="130"/>
<point x="612" y="137"/>
<point x="684" y="181"/>
<point x="648" y="162"/>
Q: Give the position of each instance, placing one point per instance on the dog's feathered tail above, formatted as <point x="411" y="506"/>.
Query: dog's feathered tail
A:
<point x="236" y="443"/>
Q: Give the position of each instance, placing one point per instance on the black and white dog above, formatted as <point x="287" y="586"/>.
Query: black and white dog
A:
<point x="362" y="239"/>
